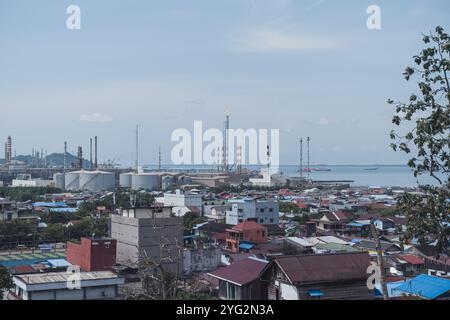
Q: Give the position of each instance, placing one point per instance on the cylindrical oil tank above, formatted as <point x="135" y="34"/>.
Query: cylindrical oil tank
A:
<point x="72" y="180"/>
<point x="125" y="179"/>
<point x="60" y="180"/>
<point x="146" y="181"/>
<point x="97" y="180"/>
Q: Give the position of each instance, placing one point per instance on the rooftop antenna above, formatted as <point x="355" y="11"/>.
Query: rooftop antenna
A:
<point x="137" y="148"/>
<point x="309" y="168"/>
<point x="301" y="159"/>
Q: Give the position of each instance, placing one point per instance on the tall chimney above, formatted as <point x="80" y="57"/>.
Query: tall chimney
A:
<point x="96" y="153"/>
<point x="90" y="152"/>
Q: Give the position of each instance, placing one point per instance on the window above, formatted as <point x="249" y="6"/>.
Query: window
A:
<point x="271" y="220"/>
<point x="261" y="210"/>
<point x="270" y="209"/>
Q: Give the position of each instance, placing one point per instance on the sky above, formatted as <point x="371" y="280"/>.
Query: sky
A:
<point x="305" y="67"/>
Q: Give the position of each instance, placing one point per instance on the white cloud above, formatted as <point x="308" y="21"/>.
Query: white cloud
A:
<point x="326" y="121"/>
<point x="265" y="41"/>
<point x="337" y="148"/>
<point x="95" y="117"/>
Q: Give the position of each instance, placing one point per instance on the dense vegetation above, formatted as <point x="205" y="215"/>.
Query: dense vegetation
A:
<point x="23" y="194"/>
<point x="424" y="133"/>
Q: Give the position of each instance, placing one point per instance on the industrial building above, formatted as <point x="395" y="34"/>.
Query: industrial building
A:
<point x="100" y="285"/>
<point x="150" y="232"/>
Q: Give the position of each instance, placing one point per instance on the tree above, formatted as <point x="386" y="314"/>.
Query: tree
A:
<point x="426" y="118"/>
<point x="6" y="282"/>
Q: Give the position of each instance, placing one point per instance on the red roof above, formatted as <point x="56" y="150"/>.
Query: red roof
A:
<point x="414" y="260"/>
<point x="240" y="272"/>
<point x="248" y="225"/>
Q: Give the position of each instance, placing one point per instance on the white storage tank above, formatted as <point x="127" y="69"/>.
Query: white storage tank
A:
<point x="60" y="181"/>
<point x="72" y="180"/>
<point x="97" y="180"/>
<point x="125" y="179"/>
<point x="146" y="181"/>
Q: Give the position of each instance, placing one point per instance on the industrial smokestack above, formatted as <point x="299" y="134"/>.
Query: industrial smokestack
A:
<point x="80" y="157"/>
<point x="96" y="152"/>
<point x="65" y="156"/>
<point x="90" y="153"/>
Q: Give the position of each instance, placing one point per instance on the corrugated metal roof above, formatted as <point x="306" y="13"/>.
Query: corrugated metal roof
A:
<point x="54" y="277"/>
<point x="240" y="272"/>
<point x="426" y="286"/>
<point x="325" y="267"/>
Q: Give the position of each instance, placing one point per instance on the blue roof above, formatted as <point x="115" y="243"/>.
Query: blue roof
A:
<point x="315" y="293"/>
<point x="58" y="263"/>
<point x="429" y="287"/>
<point x="64" y="210"/>
<point x="50" y="204"/>
<point x="355" y="224"/>
<point x="246" y="245"/>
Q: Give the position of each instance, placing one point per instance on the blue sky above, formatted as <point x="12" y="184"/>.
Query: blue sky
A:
<point x="305" y="67"/>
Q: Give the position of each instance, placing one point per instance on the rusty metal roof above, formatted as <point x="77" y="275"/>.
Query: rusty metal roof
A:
<point x="325" y="267"/>
<point x="240" y="272"/>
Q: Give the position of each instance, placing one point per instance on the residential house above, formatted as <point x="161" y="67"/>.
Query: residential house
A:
<point x="334" y="221"/>
<point x="241" y="280"/>
<point x="261" y="211"/>
<point x="340" y="276"/>
<point x="245" y="235"/>
<point x="213" y="232"/>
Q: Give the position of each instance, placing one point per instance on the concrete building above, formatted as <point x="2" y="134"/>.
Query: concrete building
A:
<point x="102" y="285"/>
<point x="201" y="260"/>
<point x="92" y="254"/>
<point x="152" y="232"/>
<point x="8" y="210"/>
<point x="261" y="211"/>
<point x="186" y="199"/>
<point x="25" y="180"/>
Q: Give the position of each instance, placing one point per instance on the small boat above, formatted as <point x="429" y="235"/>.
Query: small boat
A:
<point x="371" y="169"/>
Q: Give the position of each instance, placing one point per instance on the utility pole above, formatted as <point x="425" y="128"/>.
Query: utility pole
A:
<point x="380" y="261"/>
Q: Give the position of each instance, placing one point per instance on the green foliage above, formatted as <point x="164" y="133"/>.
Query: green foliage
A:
<point x="427" y="118"/>
<point x="6" y="282"/>
<point x="23" y="194"/>
<point x="427" y="112"/>
<point x="16" y="231"/>
<point x="289" y="207"/>
<point x="190" y="219"/>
